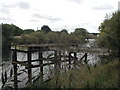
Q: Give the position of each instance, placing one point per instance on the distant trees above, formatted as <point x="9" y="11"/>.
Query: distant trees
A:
<point x="63" y="36"/>
<point x="64" y="30"/>
<point x="15" y="35"/>
<point x="110" y="32"/>
<point x="8" y="31"/>
<point x="45" y="28"/>
<point x="81" y="32"/>
<point x="11" y="30"/>
<point x="28" y="31"/>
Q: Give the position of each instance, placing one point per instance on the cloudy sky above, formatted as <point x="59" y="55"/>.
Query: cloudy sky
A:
<point x="57" y="14"/>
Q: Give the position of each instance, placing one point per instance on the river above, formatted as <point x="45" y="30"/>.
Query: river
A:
<point x="92" y="59"/>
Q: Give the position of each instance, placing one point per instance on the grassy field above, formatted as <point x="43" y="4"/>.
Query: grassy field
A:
<point x="101" y="76"/>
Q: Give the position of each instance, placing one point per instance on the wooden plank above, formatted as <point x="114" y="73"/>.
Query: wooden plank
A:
<point x="20" y="50"/>
<point x="45" y="59"/>
<point x="18" y="62"/>
<point x="35" y="66"/>
<point x="83" y="56"/>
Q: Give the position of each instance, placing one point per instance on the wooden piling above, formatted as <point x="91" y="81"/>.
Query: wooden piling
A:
<point x="29" y="67"/>
<point x="69" y="60"/>
<point x="86" y="58"/>
<point x="59" y="60"/>
<point x="15" y="68"/>
<point x="55" y="59"/>
<point x="75" y="59"/>
<point x="41" y="65"/>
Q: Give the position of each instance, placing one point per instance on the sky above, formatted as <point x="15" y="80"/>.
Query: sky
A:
<point x="57" y="14"/>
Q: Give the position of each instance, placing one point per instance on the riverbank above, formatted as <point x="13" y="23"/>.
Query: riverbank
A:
<point x="101" y="76"/>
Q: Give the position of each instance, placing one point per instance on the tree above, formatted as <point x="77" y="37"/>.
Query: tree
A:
<point x="45" y="28"/>
<point x="28" y="31"/>
<point x="110" y="33"/>
<point x="65" y="31"/>
<point x="11" y="29"/>
<point x="8" y="31"/>
<point x="52" y="37"/>
<point x="82" y="32"/>
<point x="33" y="38"/>
<point x="64" y="37"/>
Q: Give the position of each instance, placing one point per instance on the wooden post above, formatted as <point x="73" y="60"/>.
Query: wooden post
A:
<point x="15" y="68"/>
<point x="41" y="65"/>
<point x="59" y="60"/>
<point x="69" y="60"/>
<point x="29" y="68"/>
<point x="55" y="59"/>
<point x="75" y="55"/>
<point x="86" y="58"/>
<point x="75" y="59"/>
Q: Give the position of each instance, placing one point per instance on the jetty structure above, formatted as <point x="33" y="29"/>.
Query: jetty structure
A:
<point x="27" y="72"/>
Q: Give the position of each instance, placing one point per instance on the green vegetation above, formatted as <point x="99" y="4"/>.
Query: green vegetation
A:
<point x="102" y="76"/>
<point x="8" y="31"/>
<point x="45" y="28"/>
<point x="28" y="31"/>
<point x="15" y="35"/>
<point x="110" y="32"/>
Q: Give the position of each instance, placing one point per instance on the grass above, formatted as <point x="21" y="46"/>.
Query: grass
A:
<point x="102" y="76"/>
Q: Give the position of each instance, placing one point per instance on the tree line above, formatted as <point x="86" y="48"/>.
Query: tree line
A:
<point x="15" y="35"/>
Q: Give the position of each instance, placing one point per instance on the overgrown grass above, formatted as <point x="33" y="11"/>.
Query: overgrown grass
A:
<point x="102" y="76"/>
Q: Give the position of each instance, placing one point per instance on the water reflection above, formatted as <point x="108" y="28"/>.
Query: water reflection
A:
<point x="92" y="59"/>
<point x="6" y="54"/>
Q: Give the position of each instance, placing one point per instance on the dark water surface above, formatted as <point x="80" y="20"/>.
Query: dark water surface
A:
<point x="92" y="59"/>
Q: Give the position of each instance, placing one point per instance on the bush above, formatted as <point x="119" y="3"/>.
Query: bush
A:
<point x="102" y="76"/>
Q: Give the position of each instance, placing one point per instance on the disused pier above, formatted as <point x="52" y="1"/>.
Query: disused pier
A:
<point x="56" y="60"/>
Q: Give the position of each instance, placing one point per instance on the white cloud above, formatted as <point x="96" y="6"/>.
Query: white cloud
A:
<point x="103" y="7"/>
<point x="23" y="5"/>
<point x="39" y="16"/>
<point x="77" y="1"/>
<point x="58" y="14"/>
<point x="119" y="6"/>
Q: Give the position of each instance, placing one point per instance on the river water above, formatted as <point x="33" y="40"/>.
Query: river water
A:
<point x="92" y="59"/>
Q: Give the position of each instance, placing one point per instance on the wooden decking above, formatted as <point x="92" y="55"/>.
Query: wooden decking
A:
<point x="56" y="47"/>
<point x="56" y="61"/>
<point x="43" y="47"/>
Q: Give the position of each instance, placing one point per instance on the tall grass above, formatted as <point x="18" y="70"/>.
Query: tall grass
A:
<point x="102" y="76"/>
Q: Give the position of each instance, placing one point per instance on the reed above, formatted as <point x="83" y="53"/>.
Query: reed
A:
<point x="102" y="76"/>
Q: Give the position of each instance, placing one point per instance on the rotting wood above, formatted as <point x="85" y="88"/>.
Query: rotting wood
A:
<point x="56" y="60"/>
<point x="21" y="63"/>
<point x="29" y="65"/>
<point x="41" y="64"/>
<point x="15" y="68"/>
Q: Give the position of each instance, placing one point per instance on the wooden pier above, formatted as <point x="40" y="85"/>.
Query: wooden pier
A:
<point x="55" y="60"/>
